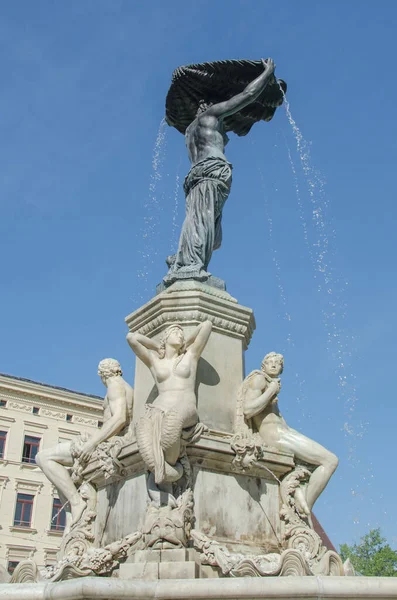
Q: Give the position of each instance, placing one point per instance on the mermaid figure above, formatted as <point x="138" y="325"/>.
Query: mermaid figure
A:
<point x="172" y="420"/>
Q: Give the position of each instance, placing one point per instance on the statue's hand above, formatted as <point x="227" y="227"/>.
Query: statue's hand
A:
<point x="275" y="386"/>
<point x="86" y="451"/>
<point x="269" y="65"/>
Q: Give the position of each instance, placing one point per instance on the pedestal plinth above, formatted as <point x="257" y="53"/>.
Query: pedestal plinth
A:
<point x="221" y="367"/>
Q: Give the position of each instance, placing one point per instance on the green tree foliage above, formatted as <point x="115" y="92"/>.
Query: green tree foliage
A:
<point x="372" y="556"/>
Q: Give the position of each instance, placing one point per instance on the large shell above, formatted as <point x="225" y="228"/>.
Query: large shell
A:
<point x="215" y="82"/>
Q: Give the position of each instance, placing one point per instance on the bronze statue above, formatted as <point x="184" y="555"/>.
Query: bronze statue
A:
<point x="209" y="180"/>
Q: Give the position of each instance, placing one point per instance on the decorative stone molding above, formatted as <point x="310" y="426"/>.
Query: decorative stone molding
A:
<point x="3" y="482"/>
<point x="35" y="425"/>
<point x="25" y="485"/>
<point x="7" y="419"/>
<point x="22" y="529"/>
<point x="53" y="414"/>
<point x="85" y="421"/>
<point x="212" y="451"/>
<point x="190" y="307"/>
<point x="198" y="286"/>
<point x="69" y="431"/>
<point x="20" y="406"/>
<point x="14" y="388"/>
<point x="18" y="552"/>
<point x="291" y="562"/>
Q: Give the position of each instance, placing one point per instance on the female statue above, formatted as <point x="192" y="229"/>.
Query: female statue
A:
<point x="172" y="418"/>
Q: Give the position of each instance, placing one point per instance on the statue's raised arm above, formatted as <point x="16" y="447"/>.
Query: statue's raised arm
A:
<point x="197" y="341"/>
<point x="248" y="95"/>
<point x="142" y="347"/>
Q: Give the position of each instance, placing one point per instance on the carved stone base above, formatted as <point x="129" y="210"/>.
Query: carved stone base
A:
<point x="181" y="563"/>
<point x="212" y="281"/>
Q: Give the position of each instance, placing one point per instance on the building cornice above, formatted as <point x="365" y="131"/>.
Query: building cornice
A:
<point x="14" y="387"/>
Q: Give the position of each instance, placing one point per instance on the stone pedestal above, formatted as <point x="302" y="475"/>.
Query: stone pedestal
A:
<point x="236" y="509"/>
<point x="221" y="367"/>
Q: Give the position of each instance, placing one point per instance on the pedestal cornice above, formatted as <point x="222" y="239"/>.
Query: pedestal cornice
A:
<point x="189" y="304"/>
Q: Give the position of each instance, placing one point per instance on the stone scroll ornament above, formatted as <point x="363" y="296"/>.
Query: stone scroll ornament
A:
<point x="168" y="424"/>
<point x="205" y="102"/>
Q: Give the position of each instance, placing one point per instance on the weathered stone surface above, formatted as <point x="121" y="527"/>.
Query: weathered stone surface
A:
<point x="280" y="588"/>
<point x="179" y="570"/>
<point x="146" y="571"/>
<point x="218" y="492"/>
<point x="177" y="555"/>
<point x="121" y="508"/>
<point x="142" y="556"/>
<point x="238" y="510"/>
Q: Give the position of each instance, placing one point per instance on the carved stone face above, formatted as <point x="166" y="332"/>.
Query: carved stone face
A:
<point x="164" y="528"/>
<point x="175" y="338"/>
<point x="273" y="365"/>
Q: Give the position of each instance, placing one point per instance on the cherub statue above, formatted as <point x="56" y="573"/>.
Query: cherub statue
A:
<point x="259" y="403"/>
<point x="118" y="406"/>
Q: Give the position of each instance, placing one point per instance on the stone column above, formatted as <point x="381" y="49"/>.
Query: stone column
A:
<point x="221" y="367"/>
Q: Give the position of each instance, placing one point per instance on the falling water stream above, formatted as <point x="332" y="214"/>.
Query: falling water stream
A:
<point x="175" y="212"/>
<point x="300" y="398"/>
<point x="332" y="288"/>
<point x="148" y="248"/>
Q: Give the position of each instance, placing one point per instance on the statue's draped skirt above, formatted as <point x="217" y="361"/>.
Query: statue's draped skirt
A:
<point x="156" y="432"/>
<point x="207" y="187"/>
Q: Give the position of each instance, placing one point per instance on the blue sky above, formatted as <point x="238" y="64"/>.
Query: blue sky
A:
<point x="83" y="236"/>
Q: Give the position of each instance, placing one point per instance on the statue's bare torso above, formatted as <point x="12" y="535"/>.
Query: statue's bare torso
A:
<point x="175" y="381"/>
<point x="268" y="422"/>
<point x="205" y="138"/>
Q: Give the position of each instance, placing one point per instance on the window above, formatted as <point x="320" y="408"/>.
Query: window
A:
<point x="23" y="510"/>
<point x="35" y="410"/>
<point x="12" y="564"/>
<point x="58" y="517"/>
<point x="3" y="437"/>
<point x="30" y="449"/>
<point x="3" y="403"/>
<point x="69" y="418"/>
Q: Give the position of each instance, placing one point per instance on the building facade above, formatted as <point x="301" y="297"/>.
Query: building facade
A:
<point x="34" y="416"/>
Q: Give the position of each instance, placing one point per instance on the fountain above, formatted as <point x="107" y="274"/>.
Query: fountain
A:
<point x="197" y="488"/>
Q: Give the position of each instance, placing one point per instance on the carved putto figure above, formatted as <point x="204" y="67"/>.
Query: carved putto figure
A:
<point x="259" y="404"/>
<point x="118" y="407"/>
<point x="172" y="419"/>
